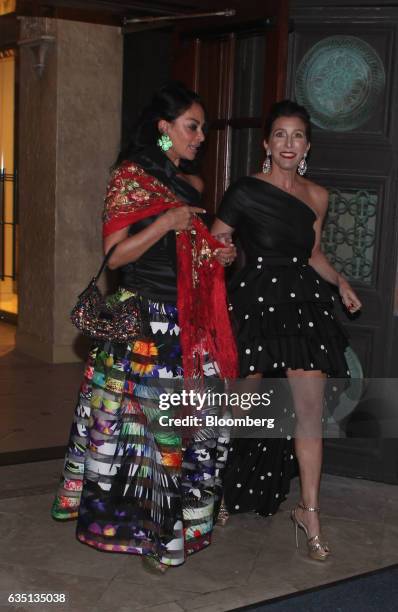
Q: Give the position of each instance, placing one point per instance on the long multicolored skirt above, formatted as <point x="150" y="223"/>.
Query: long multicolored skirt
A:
<point x="135" y="488"/>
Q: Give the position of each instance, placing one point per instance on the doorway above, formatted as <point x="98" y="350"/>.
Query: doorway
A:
<point x="8" y="199"/>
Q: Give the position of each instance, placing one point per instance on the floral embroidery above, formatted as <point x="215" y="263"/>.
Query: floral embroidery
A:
<point x="126" y="194"/>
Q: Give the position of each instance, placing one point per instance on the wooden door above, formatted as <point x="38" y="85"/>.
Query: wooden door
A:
<point x="355" y="155"/>
<point x="239" y="70"/>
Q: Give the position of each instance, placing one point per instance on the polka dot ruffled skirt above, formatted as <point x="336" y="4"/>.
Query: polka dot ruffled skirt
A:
<point x="284" y="318"/>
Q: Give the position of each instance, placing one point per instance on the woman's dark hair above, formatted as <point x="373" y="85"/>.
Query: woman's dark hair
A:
<point x="168" y="103"/>
<point x="287" y="108"/>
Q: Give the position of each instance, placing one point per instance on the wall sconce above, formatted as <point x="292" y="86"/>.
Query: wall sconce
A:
<point x="39" y="47"/>
<point x="37" y="34"/>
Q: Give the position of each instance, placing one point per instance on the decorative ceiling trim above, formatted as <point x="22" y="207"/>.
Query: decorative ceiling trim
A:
<point x="224" y="13"/>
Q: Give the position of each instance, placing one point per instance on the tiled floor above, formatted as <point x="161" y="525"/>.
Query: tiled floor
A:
<point x="250" y="560"/>
<point x="36" y="399"/>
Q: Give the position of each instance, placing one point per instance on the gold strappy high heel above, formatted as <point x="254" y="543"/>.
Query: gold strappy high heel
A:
<point x="223" y="515"/>
<point x="317" y="549"/>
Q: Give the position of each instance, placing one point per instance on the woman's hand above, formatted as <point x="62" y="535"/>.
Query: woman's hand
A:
<point x="348" y="296"/>
<point x="131" y="248"/>
<point x="225" y="256"/>
<point x="180" y="218"/>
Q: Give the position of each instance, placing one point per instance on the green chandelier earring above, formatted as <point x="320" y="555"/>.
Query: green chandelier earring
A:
<point x="165" y="142"/>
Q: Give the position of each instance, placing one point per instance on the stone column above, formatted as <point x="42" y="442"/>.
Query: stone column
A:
<point x="69" y="133"/>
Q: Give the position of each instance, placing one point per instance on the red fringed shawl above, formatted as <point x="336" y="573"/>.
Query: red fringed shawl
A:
<point x="202" y="304"/>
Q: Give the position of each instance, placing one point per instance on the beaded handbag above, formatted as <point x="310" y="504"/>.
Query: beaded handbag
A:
<point x="102" y="318"/>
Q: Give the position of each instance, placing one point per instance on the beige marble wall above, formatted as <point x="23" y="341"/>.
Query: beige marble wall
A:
<point x="69" y="135"/>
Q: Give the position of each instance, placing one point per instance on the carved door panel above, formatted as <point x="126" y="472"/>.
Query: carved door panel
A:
<point x="348" y="66"/>
<point x="342" y="70"/>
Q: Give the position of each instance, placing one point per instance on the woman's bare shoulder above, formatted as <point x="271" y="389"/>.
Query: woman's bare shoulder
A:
<point x="196" y="181"/>
<point x="317" y="195"/>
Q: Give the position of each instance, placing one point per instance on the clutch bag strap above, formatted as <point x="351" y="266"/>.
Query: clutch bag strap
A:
<point x="104" y="263"/>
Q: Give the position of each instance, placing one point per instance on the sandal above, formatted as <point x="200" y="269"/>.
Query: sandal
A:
<point x="223" y="515"/>
<point x="317" y="548"/>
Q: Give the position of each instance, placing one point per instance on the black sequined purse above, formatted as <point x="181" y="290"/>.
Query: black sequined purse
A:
<point x="104" y="318"/>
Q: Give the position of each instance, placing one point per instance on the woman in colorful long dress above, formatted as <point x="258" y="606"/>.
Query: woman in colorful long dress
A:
<point x="283" y="308"/>
<point x="132" y="486"/>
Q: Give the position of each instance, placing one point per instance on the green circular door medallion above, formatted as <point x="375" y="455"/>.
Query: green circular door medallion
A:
<point x="339" y="81"/>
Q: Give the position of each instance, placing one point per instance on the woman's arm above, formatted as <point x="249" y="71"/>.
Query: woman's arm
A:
<point x="219" y="227"/>
<point x="196" y="181"/>
<point x="321" y="264"/>
<point x="130" y="248"/>
<point x="229" y="213"/>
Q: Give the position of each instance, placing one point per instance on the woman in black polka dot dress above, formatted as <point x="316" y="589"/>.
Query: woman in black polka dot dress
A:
<point x="283" y="309"/>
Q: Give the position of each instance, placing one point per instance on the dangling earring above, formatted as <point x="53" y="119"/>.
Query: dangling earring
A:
<point x="267" y="165"/>
<point x="302" y="167"/>
<point x="165" y="142"/>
